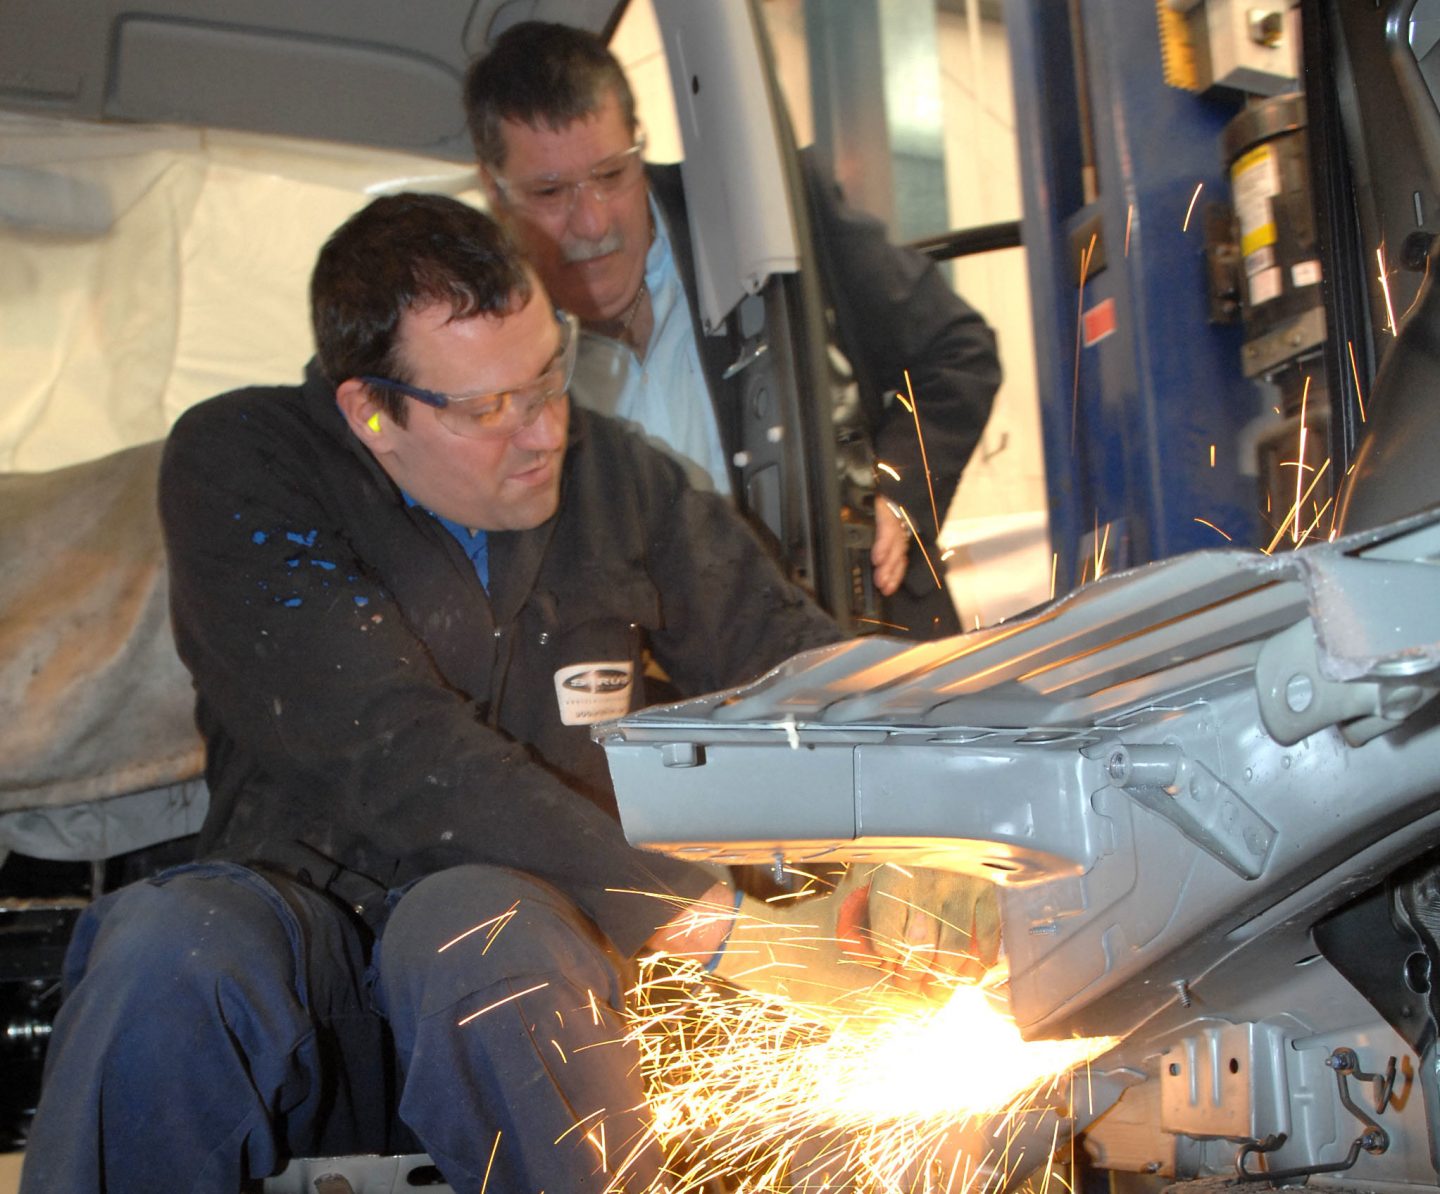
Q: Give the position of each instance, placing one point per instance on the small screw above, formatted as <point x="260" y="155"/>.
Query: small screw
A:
<point x="1182" y="992"/>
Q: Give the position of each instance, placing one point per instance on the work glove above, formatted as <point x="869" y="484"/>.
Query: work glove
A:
<point x="883" y="928"/>
<point x="924" y="923"/>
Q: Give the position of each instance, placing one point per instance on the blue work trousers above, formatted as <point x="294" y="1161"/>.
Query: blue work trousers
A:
<point x="218" y="1021"/>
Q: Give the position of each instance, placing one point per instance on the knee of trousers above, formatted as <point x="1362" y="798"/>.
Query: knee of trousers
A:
<point x="196" y="964"/>
<point x="472" y="928"/>
<point x="151" y="940"/>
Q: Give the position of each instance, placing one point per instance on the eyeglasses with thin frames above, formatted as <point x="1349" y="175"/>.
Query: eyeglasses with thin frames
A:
<point x="498" y="414"/>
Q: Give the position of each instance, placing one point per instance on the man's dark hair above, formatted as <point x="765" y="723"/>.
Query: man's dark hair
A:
<point x="543" y="75"/>
<point x="398" y="253"/>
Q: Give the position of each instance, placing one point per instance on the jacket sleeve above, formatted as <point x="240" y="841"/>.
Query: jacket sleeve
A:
<point x="895" y="313"/>
<point x="312" y="683"/>
<point x="728" y="613"/>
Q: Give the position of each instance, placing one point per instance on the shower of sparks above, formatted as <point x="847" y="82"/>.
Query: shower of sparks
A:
<point x="1355" y="372"/>
<point x="899" y="512"/>
<point x="887" y="470"/>
<point x="1199" y="186"/>
<point x="1129" y="219"/>
<point x="871" y="1093"/>
<point x="1385" y="289"/>
<point x="1294" y="510"/>
<point x="924" y="459"/>
<point x="1080" y="338"/>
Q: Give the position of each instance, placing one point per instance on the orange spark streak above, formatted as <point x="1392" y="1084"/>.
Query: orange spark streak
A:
<point x="1129" y="219"/>
<point x="1212" y="455"/>
<point x="878" y="622"/>
<point x="1079" y="338"/>
<point x="1315" y="522"/>
<point x="1199" y="186"/>
<point x="494" y="1148"/>
<point x="501" y="1003"/>
<point x="1213" y="527"/>
<point x="1355" y="371"/>
<point x="1101" y="545"/>
<point x="1285" y="522"/>
<point x="1054" y="568"/>
<point x="1300" y="456"/>
<point x="900" y="512"/>
<point x="597" y="1141"/>
<point x="886" y="469"/>
<point x="578" y="1123"/>
<point x="1385" y="289"/>
<point x="924" y="459"/>
<point x="501" y="920"/>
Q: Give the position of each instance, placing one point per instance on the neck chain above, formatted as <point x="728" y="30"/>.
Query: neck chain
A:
<point x="618" y="326"/>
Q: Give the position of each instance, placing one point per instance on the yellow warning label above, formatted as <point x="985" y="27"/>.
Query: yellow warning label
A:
<point x="1254" y="182"/>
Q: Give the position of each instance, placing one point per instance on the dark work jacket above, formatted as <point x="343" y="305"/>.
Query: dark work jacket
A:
<point x="372" y="715"/>
<point x="894" y="312"/>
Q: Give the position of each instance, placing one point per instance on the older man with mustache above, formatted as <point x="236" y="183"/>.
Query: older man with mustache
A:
<point x="559" y="146"/>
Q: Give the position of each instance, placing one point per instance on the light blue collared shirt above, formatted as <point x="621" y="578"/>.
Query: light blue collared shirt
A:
<point x="664" y="397"/>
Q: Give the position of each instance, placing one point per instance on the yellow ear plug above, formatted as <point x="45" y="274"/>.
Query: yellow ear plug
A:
<point x="374" y="423"/>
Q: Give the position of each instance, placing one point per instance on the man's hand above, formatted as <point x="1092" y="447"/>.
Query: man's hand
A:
<point x="885" y="928"/>
<point x="921" y="924"/>
<point x="891" y="550"/>
<point x="699" y="929"/>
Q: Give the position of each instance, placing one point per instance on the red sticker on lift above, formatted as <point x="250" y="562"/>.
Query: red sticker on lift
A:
<point x="1099" y="322"/>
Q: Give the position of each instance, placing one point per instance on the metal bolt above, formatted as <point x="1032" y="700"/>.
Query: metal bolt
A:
<point x="1182" y="992"/>
<point x="1299" y="692"/>
<point x="1117" y="767"/>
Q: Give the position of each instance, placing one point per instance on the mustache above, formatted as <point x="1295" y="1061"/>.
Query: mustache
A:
<point x="577" y="250"/>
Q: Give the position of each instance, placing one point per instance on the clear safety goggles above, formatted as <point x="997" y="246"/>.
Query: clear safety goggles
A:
<point x="499" y="414"/>
<point x="548" y="196"/>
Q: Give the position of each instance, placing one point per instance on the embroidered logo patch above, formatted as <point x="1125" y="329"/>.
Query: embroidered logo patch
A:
<point x="591" y="692"/>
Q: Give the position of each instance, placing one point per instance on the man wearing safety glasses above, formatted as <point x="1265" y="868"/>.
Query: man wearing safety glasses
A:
<point x="559" y="146"/>
<point x="406" y="590"/>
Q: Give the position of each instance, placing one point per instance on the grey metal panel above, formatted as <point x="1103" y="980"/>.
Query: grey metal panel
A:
<point x="368" y="72"/>
<point x="690" y="805"/>
<point x="743" y="229"/>
<point x="1166" y="832"/>
<point x="184" y="71"/>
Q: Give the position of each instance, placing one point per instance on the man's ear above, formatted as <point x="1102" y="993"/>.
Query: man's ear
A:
<point x="368" y="422"/>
